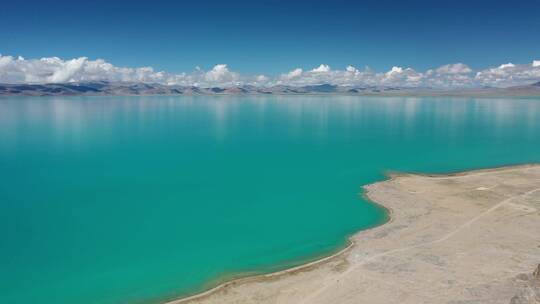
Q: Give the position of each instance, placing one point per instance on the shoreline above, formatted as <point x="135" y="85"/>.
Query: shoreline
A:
<point x="302" y="267"/>
<point x="262" y="277"/>
<point x="352" y="240"/>
<point x="276" y="274"/>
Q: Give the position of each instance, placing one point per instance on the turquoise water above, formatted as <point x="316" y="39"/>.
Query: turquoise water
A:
<point x="142" y="199"/>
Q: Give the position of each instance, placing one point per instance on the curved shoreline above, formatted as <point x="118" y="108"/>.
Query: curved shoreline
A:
<point x="302" y="267"/>
<point x="277" y="274"/>
<point x="368" y="195"/>
<point x="262" y="277"/>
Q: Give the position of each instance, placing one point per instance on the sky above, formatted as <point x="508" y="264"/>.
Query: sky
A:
<point x="273" y="38"/>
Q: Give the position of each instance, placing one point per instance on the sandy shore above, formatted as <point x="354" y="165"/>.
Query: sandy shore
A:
<point x="472" y="237"/>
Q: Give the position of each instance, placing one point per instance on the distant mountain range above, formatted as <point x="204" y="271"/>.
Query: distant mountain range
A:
<point x="128" y="88"/>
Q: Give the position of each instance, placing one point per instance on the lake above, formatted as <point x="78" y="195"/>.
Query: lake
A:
<point x="143" y="199"/>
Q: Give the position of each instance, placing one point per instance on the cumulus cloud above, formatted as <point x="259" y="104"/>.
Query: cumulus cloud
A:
<point x="402" y="77"/>
<point x="323" y="68"/>
<point x="456" y="75"/>
<point x="221" y="74"/>
<point x="296" y="73"/>
<point x="509" y="74"/>
<point x="325" y="74"/>
<point x="56" y="70"/>
<point x="449" y="76"/>
<point x="456" y="68"/>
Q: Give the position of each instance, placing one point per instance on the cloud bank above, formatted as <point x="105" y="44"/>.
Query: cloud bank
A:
<point x="458" y="75"/>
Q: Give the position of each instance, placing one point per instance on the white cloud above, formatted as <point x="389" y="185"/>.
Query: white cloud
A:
<point x="68" y="69"/>
<point x="352" y="69"/>
<point x="399" y="76"/>
<point x="449" y="76"/>
<point x="56" y="70"/>
<point x="323" y="68"/>
<point x="220" y="74"/>
<point x="394" y="71"/>
<point x="262" y="78"/>
<point x="456" y="68"/>
<point x="509" y="74"/>
<point x="293" y="74"/>
<point x="506" y="65"/>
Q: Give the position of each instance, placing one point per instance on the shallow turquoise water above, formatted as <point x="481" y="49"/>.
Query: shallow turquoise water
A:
<point x="141" y="199"/>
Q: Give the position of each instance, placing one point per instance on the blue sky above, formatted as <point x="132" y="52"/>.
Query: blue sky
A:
<point x="271" y="37"/>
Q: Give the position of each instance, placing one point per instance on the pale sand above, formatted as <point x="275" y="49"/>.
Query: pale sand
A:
<point x="472" y="237"/>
